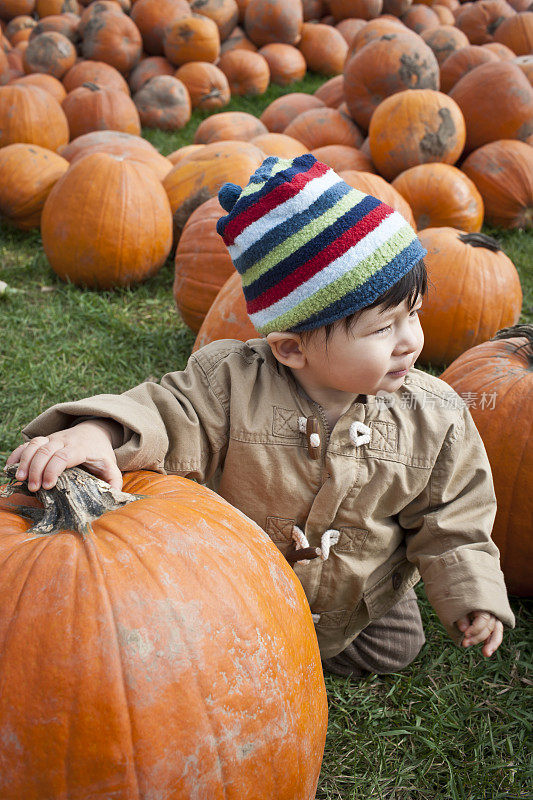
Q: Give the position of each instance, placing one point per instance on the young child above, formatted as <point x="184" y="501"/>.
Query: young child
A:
<point x="366" y="472"/>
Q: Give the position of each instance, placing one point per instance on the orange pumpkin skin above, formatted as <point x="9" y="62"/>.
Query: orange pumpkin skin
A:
<point x="19" y="28"/>
<point x="517" y="33"/>
<point x="444" y="41"/>
<point x="163" y="102"/>
<point x="113" y="38"/>
<point x="415" y="127"/>
<point x="190" y="665"/>
<point x="501" y="372"/>
<point x="237" y="39"/>
<point x="152" y="17"/>
<point x="480" y="21"/>
<point x="48" y="8"/>
<point x="322" y="126"/>
<point x="224" y="13"/>
<point x="228" y="125"/>
<point x="379" y="70"/>
<point x="248" y="73"/>
<point x="280" y="112"/>
<point x="29" y="114"/>
<point x="27" y="174"/>
<point x="104" y="75"/>
<point x="202" y="264"/>
<point x="323" y="48"/>
<point x="207" y="85"/>
<point x="501" y="85"/>
<point x="267" y="21"/>
<point x="149" y="68"/>
<point x="380" y="188"/>
<point x="462" y="61"/>
<point x="503" y="174"/>
<point x="118" y="143"/>
<point x="441" y="196"/>
<point x="340" y="157"/>
<point x="356" y="9"/>
<point x="332" y="92"/>
<point x="16" y="8"/>
<point x="375" y="29"/>
<point x="227" y="317"/>
<point x="46" y="82"/>
<point x="475" y="292"/>
<point x="51" y="53"/>
<point x="419" y="18"/>
<point x="279" y="145"/>
<point x="200" y="176"/>
<point x="92" y="108"/>
<point x="126" y="204"/>
<point x="285" y="62"/>
<point x="193" y="38"/>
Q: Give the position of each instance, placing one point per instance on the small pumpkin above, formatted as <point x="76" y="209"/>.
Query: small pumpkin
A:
<point x="51" y="53"/>
<point x="224" y="13"/>
<point x="415" y="127"/>
<point x="323" y="48"/>
<point x="95" y="108"/>
<point x="475" y="290"/>
<point x="516" y="33"/>
<point x="375" y="29"/>
<point x="480" y="21"/>
<point x="497" y="378"/>
<point x="321" y="126"/>
<point x="152" y="17"/>
<point x="162" y="635"/>
<point x="503" y="174"/>
<point x="420" y="18"/>
<point x="125" y="203"/>
<point x="247" y="72"/>
<point x="112" y="37"/>
<point x="27" y="175"/>
<point x="67" y="24"/>
<point x="207" y="85"/>
<point x="163" y="102"/>
<point x="273" y="21"/>
<point x="98" y="72"/>
<point x="444" y="40"/>
<point x="280" y="112"/>
<point x="285" y="62"/>
<point x="148" y="68"/>
<point x="228" y="125"/>
<point x="441" y="195"/>
<point x="194" y="38"/>
<point x="19" y="28"/>
<point x="462" y="61"/>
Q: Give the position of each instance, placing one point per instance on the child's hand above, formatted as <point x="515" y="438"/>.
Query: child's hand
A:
<point x="480" y="626"/>
<point x="44" y="458"/>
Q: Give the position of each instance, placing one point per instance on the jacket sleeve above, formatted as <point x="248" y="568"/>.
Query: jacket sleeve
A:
<point x="448" y="532"/>
<point x="179" y="425"/>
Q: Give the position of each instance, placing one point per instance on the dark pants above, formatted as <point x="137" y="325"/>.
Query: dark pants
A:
<point x="386" y="645"/>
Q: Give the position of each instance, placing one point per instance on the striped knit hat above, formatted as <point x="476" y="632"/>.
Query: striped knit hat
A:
<point x="309" y="247"/>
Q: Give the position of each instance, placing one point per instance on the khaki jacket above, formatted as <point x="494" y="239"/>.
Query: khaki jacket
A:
<point x="408" y="494"/>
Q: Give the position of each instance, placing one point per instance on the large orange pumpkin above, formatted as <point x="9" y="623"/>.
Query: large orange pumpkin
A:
<point x="202" y="264"/>
<point x="324" y="48"/>
<point x="228" y="125"/>
<point x="440" y="195"/>
<point x="167" y="651"/>
<point x="46" y="82"/>
<point x="267" y="21"/>
<point x="321" y="126"/>
<point x="385" y="66"/>
<point x="474" y="291"/>
<point x="113" y="38"/>
<point x="148" y="68"/>
<point x="224" y="13"/>
<point x="163" y="102"/>
<point x="503" y="174"/>
<point x="16" y="8"/>
<point x="497" y="103"/>
<point x="207" y="85"/>
<point x="98" y="72"/>
<point x="29" y="114"/>
<point x="417" y="126"/>
<point x="27" y="174"/>
<point x="280" y="112"/>
<point x="480" y="21"/>
<point x="462" y="61"/>
<point x="194" y="38"/>
<point x="107" y="222"/>
<point x="497" y="377"/>
<point x="152" y="17"/>
<point x="94" y="108"/>
<point x="118" y="143"/>
<point x="285" y="62"/>
<point x="247" y="72"/>
<point x="51" y="53"/>
<point x="516" y="33"/>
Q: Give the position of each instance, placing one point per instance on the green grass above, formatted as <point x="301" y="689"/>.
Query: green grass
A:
<point x="453" y="725"/>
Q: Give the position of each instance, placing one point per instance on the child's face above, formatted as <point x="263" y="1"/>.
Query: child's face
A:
<point x="374" y="355"/>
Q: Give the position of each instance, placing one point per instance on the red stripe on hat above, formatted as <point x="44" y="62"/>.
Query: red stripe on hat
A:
<point x="305" y="271"/>
<point x="280" y="194"/>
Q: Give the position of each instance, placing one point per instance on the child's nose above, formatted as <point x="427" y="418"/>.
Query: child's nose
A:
<point x="410" y="337"/>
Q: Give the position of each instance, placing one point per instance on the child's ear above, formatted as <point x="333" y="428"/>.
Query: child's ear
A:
<point x="286" y="347"/>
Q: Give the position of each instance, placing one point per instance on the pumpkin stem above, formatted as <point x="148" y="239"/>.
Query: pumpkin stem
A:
<point x="72" y="504"/>
<point x="480" y="240"/>
<point x="92" y="86"/>
<point x="519" y="332"/>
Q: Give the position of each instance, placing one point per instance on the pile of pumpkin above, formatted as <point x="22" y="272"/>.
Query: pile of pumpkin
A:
<point x="408" y="115"/>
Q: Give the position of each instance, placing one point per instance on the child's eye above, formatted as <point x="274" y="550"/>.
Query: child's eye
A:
<point x="384" y="330"/>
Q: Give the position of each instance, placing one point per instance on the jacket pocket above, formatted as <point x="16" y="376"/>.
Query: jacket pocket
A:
<point x="280" y="531"/>
<point x="380" y="597"/>
<point x="351" y="540"/>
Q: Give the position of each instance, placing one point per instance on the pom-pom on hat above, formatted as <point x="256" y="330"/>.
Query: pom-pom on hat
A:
<point x="311" y="249"/>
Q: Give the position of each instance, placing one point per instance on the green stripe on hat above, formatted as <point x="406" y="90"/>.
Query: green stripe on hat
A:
<point x="310" y="231"/>
<point x="347" y="282"/>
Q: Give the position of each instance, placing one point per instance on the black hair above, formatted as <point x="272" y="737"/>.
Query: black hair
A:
<point x="413" y="284"/>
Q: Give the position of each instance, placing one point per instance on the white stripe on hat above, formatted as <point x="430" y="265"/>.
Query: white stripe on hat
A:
<point x="330" y="273"/>
<point x="281" y="213"/>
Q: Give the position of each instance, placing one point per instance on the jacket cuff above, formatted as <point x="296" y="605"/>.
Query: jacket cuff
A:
<point x="462" y="581"/>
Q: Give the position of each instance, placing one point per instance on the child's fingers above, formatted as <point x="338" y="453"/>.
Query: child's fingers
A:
<point x="39" y="467"/>
<point x="494" y="640"/>
<point x="14" y="458"/>
<point x="480" y="629"/>
<point x="26" y="454"/>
